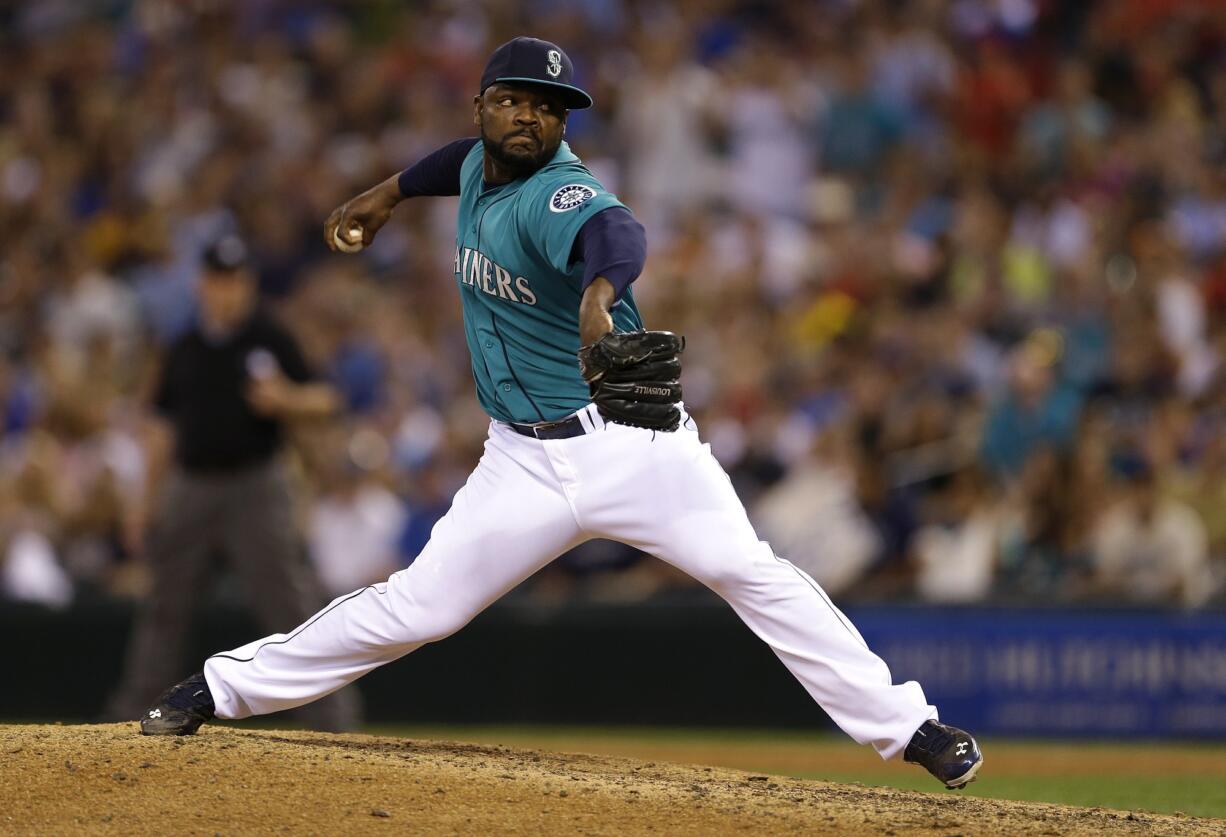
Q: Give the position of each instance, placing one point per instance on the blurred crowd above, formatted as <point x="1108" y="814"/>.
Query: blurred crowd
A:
<point x="952" y="273"/>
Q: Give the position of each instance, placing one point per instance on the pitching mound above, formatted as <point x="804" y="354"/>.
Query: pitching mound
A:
<point x="109" y="780"/>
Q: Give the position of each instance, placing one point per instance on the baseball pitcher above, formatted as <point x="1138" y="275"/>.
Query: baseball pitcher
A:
<point x="588" y="438"/>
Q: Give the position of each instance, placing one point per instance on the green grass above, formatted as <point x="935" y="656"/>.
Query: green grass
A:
<point x="1197" y="796"/>
<point x="1157" y="777"/>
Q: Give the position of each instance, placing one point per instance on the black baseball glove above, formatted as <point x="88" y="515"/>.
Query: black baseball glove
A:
<point x="635" y="377"/>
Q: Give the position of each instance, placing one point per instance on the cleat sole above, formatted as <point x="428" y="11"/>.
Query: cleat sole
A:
<point x="966" y="778"/>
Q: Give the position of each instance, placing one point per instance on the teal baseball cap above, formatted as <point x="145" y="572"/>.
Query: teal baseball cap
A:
<point x="526" y="60"/>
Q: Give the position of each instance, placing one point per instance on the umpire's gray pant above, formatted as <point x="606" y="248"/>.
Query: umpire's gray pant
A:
<point x="246" y="516"/>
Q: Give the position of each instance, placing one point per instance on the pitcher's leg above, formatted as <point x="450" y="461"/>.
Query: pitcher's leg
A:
<point x="820" y="646"/>
<point x="508" y="521"/>
<point x="672" y="499"/>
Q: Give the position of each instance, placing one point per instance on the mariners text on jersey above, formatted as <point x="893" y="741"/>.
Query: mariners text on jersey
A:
<point x="476" y="269"/>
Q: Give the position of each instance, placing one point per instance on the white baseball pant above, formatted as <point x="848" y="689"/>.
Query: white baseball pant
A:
<point x="528" y="501"/>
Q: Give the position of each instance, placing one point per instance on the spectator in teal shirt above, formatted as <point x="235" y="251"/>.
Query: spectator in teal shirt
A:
<point x="1037" y="410"/>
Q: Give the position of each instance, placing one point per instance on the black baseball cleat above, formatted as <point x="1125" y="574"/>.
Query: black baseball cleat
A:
<point x="946" y="752"/>
<point x="181" y="709"/>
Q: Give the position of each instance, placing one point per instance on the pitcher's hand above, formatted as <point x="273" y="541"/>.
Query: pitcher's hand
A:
<point x="353" y="224"/>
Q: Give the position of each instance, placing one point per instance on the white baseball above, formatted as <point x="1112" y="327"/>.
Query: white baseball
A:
<point x="354" y="234"/>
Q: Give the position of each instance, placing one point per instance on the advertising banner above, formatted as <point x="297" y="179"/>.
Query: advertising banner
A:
<point x="1057" y="672"/>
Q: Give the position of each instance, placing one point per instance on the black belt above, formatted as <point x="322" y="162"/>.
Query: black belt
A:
<point x="567" y="428"/>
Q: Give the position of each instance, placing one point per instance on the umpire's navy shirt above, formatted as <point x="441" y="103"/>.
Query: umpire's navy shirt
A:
<point x="202" y="392"/>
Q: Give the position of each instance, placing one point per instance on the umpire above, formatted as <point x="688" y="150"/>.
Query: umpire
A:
<point x="228" y="390"/>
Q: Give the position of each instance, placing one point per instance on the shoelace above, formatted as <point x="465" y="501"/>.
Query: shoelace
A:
<point x="191" y="695"/>
<point x="933" y="739"/>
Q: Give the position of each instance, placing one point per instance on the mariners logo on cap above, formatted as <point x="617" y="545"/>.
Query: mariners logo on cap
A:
<point x="554" y="67"/>
<point x="568" y="197"/>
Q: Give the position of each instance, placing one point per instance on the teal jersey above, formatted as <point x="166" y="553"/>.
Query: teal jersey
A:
<point x="520" y="291"/>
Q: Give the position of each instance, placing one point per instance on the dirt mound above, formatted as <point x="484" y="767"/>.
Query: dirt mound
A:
<point x="110" y="780"/>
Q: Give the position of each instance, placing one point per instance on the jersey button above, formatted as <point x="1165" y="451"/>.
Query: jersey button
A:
<point x="506" y="387"/>
<point x="489" y="344"/>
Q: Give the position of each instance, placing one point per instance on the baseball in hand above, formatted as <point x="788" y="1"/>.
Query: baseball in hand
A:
<point x="351" y="240"/>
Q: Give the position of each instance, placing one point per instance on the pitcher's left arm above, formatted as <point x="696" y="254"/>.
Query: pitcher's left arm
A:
<point x="634" y="377"/>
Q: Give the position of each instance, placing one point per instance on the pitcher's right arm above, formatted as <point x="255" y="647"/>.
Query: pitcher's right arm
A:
<point x="353" y="224"/>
